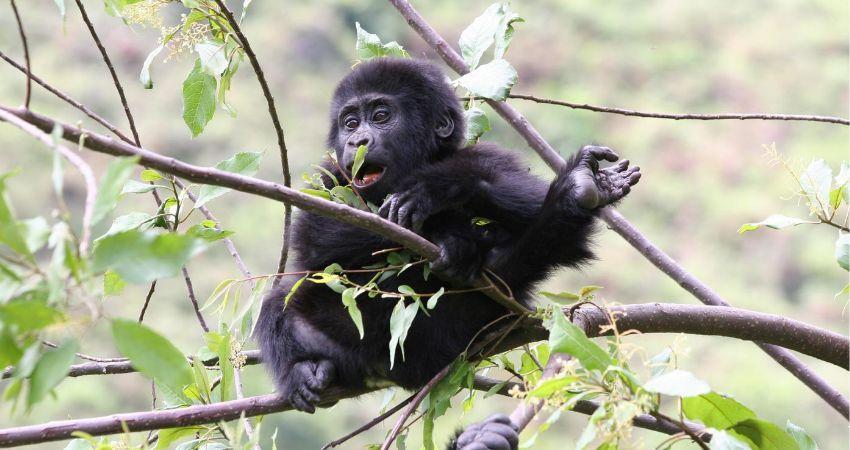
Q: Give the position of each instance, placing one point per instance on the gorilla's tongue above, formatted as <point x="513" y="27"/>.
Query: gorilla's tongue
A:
<point x="369" y="174"/>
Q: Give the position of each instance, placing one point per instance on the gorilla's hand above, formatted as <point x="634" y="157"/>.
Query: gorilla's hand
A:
<point x="460" y="258"/>
<point x="594" y="187"/>
<point x="412" y="207"/>
<point x="305" y="381"/>
<point x="495" y="433"/>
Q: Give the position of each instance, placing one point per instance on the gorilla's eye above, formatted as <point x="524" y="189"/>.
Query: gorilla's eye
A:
<point x="351" y="123"/>
<point x="381" y="116"/>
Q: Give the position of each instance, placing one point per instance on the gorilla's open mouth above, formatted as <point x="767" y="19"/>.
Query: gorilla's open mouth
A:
<point x="369" y="175"/>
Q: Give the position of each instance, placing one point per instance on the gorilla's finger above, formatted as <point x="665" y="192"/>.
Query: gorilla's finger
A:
<point x="493" y="441"/>
<point x="393" y="217"/>
<point x="404" y="215"/>
<point x="603" y="153"/>
<point x="384" y="210"/>
<point x="634" y="178"/>
<point x="622" y="165"/>
<point x="300" y="404"/>
<point x="308" y="395"/>
<point x="417" y="221"/>
<point x="506" y="431"/>
<point x="499" y="418"/>
<point x="324" y="374"/>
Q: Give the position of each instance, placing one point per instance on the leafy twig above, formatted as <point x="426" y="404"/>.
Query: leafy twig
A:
<point x="370" y="424"/>
<point x="411" y="407"/>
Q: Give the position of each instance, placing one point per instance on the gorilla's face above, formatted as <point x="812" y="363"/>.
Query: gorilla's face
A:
<point x="404" y="112"/>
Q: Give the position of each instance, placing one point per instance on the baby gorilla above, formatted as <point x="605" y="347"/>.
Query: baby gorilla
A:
<point x="424" y="177"/>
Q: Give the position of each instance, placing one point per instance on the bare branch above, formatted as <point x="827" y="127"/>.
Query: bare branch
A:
<point x="281" y="143"/>
<point x="372" y="423"/>
<point x="112" y="72"/>
<point x="411" y="407"/>
<point x="654" y="115"/>
<point x="614" y="220"/>
<point x="147" y="302"/>
<point x="194" y="300"/>
<point x="76" y="161"/>
<point x="26" y="47"/>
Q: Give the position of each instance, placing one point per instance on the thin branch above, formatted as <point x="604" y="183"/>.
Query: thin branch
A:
<point x="112" y="72"/>
<point x="195" y="306"/>
<point x="614" y="220"/>
<point x="654" y="115"/>
<point x="85" y="356"/>
<point x="151" y="290"/>
<point x="228" y="243"/>
<point x="26" y="53"/>
<point x="369" y="425"/>
<point x="78" y="162"/>
<point x="281" y="142"/>
<point x="708" y="296"/>
<point x="411" y="407"/>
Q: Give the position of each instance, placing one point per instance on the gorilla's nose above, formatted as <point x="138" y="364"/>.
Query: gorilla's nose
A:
<point x="357" y="141"/>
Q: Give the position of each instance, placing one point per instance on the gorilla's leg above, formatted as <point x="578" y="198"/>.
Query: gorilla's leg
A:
<point x="495" y="433"/>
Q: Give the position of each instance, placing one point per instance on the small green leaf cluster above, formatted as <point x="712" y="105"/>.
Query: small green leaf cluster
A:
<point x="605" y="376"/>
<point x="493" y="80"/>
<point x="324" y="184"/>
<point x="827" y="196"/>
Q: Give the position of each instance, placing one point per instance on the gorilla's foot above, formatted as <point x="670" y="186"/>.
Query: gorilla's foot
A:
<point x="495" y="433"/>
<point x="305" y="382"/>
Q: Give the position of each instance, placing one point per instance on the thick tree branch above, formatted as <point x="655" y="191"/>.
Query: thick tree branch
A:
<point x="274" y="191"/>
<point x="614" y="220"/>
<point x="646" y="318"/>
<point x="654" y="115"/>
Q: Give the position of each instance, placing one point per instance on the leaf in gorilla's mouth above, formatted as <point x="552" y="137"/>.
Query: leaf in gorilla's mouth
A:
<point x="368" y="174"/>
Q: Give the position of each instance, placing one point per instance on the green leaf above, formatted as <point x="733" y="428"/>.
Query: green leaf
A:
<point x="152" y="354"/>
<point x="715" y="410"/>
<point x="724" y="440"/>
<point x="547" y="387"/>
<point x="28" y="315"/>
<point x="136" y="187"/>
<point x="35" y="232"/>
<point x="199" y="91"/>
<point x="506" y="31"/>
<point x="10" y="233"/>
<point x="480" y="34"/>
<point x="61" y="5"/>
<point x="207" y="233"/>
<point x="493" y="80"/>
<point x="213" y="57"/>
<point x="359" y="158"/>
<point x="149" y="175"/>
<point x="842" y="250"/>
<point x="169" y="436"/>
<point x="113" y="284"/>
<point x="561" y="297"/>
<point x="126" y="222"/>
<point x="145" y="75"/>
<point x="816" y="182"/>
<point x="804" y="441"/>
<point x="369" y="46"/>
<point x="141" y="257"/>
<point x="766" y="435"/>
<point x="775" y="221"/>
<point x="111" y="185"/>
<point x="400" y="322"/>
<point x="51" y="369"/>
<point x="477" y="124"/>
<point x="565" y="337"/>
<point x="587" y="290"/>
<point x="221" y="345"/>
<point x="349" y="300"/>
<point x="317" y="193"/>
<point x="432" y="302"/>
<point x="242" y="163"/>
<point x="677" y="383"/>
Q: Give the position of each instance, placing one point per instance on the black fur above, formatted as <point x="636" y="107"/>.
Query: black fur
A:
<point x="437" y="187"/>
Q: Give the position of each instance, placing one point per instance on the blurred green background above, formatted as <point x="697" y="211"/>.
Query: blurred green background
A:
<point x="701" y="179"/>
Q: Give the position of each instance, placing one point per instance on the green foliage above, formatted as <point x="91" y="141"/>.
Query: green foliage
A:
<point x="144" y="256"/>
<point x="775" y="221"/>
<point x="477" y="124"/>
<point x="153" y="355"/>
<point x="400" y="322"/>
<point x="10" y="233"/>
<point x="677" y="383"/>
<point x="493" y="26"/>
<point x="242" y="163"/>
<point x="199" y="98"/>
<point x="493" y="80"/>
<point x="50" y="369"/>
<point x="716" y="410"/>
<point x="369" y="46"/>
<point x="565" y="337"/>
<point x="359" y="158"/>
<point x="111" y="185"/>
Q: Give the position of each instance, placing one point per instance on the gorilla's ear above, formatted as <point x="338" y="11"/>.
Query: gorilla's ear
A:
<point x="445" y="126"/>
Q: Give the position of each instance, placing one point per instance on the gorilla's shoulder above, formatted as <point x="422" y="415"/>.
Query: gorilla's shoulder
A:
<point x="493" y="155"/>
